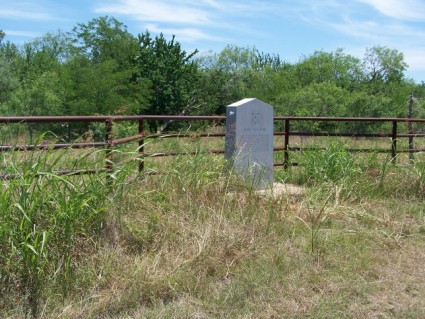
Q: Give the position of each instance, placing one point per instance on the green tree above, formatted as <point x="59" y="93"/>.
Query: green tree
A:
<point x="105" y="38"/>
<point x="9" y="81"/>
<point x="236" y="73"/>
<point x="171" y="72"/>
<point x="264" y="80"/>
<point x="362" y="104"/>
<point x="317" y="99"/>
<point x="102" y="71"/>
<point x="238" y="64"/>
<point x="383" y="65"/>
<point x="38" y="96"/>
<point x="217" y="85"/>
<point x="331" y="67"/>
<point x="383" y="77"/>
<point x="419" y="101"/>
<point x="101" y="88"/>
<point x="37" y="87"/>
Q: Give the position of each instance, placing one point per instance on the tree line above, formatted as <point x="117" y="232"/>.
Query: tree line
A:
<point x="99" y="68"/>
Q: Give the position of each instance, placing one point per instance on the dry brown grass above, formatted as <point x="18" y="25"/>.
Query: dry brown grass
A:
<point x="197" y="243"/>
<point x="189" y="250"/>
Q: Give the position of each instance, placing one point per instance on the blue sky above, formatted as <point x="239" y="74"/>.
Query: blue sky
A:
<point x="290" y="28"/>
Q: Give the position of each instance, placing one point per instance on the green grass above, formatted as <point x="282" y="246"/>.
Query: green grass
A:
<point x="45" y="221"/>
<point x="195" y="242"/>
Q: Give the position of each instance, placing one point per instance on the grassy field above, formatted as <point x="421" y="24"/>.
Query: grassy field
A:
<point x="196" y="242"/>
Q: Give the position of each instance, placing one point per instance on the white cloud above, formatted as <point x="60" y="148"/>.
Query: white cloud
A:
<point x="28" y="15"/>
<point x="402" y="10"/>
<point x="184" y="34"/>
<point x="415" y="58"/>
<point x="26" y="34"/>
<point x="398" y="26"/>
<point x="157" y="11"/>
<point x="199" y="12"/>
<point x="189" y="20"/>
<point x="377" y="30"/>
<point x="24" y="11"/>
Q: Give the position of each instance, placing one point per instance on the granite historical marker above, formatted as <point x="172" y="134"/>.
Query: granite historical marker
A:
<point x="249" y="141"/>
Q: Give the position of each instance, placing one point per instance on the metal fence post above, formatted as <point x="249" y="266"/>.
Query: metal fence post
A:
<point x="286" y="146"/>
<point x="410" y="126"/>
<point x="394" y="142"/>
<point x="141" y="145"/>
<point x="108" y="155"/>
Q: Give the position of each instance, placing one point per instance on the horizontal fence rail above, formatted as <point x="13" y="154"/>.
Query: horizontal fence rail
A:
<point x="286" y="123"/>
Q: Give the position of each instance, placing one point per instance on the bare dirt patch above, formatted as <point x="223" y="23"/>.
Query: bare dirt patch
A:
<point x="282" y="189"/>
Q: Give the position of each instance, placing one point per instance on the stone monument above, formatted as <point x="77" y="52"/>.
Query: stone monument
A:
<point x="249" y="141"/>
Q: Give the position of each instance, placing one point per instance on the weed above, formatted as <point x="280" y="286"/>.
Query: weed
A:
<point x="42" y="217"/>
<point x="196" y="241"/>
<point x="334" y="163"/>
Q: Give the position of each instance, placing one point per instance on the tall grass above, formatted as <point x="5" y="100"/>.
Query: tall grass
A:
<point x="196" y="241"/>
<point x="45" y="220"/>
<point x="331" y="164"/>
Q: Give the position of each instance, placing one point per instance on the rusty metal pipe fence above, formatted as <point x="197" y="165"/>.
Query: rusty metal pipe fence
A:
<point x="286" y="123"/>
